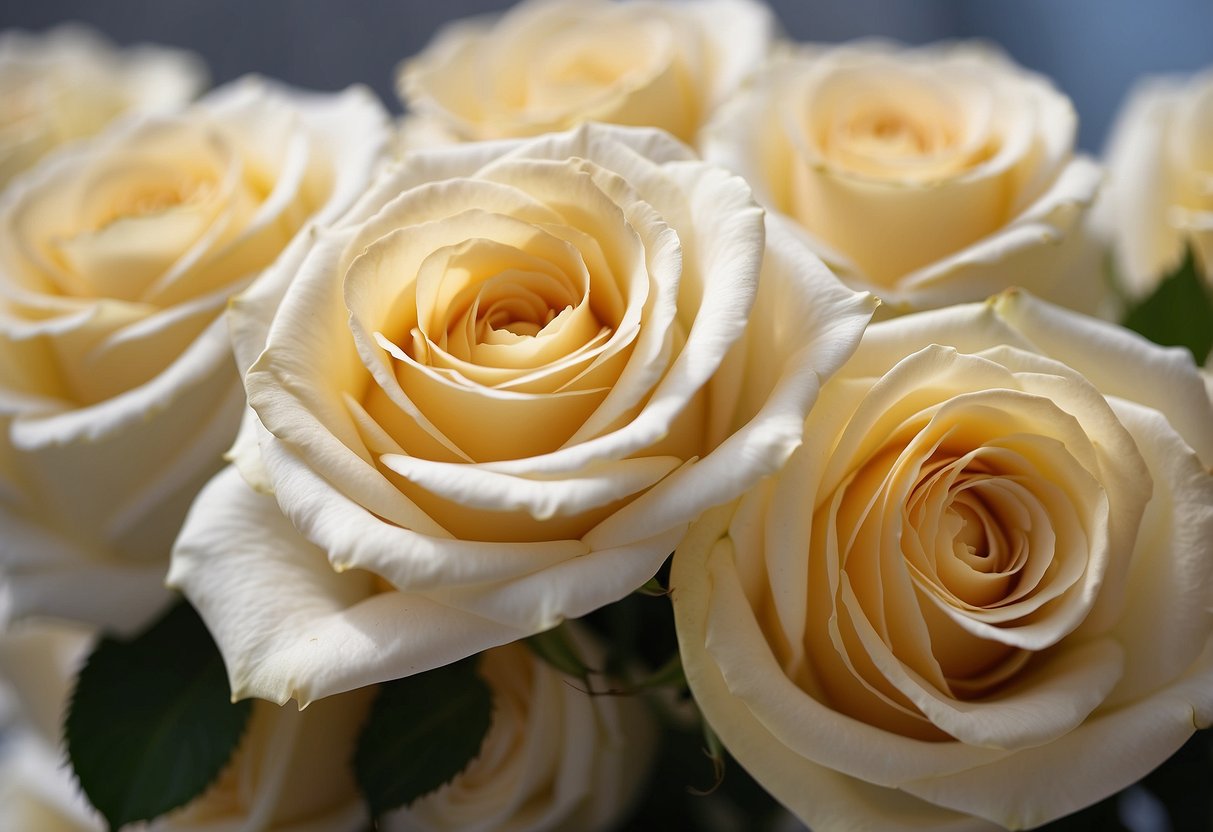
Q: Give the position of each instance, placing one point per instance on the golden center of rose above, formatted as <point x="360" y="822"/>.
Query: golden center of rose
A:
<point x="893" y="134"/>
<point x="966" y="514"/>
<point x="509" y="306"/>
<point x="152" y="199"/>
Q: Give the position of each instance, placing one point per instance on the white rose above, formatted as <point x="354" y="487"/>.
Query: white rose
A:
<point x="69" y="83"/>
<point x="549" y="65"/>
<point x="118" y="392"/>
<point x="1160" y="176"/>
<point x="980" y="592"/>
<point x="930" y="176"/>
<point x="288" y="774"/>
<point x="555" y="757"/>
<point x="493" y="397"/>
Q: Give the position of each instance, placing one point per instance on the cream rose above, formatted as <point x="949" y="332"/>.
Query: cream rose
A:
<point x="1160" y="172"/>
<point x="553" y="64"/>
<point x="118" y="392"/>
<point x="69" y="83"/>
<point x="980" y="592"/>
<point x="555" y="756"/>
<point x="493" y="397"/>
<point x="288" y="773"/>
<point x="930" y="176"/>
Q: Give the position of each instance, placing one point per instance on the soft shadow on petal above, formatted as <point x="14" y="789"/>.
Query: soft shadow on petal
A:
<point x="287" y="624"/>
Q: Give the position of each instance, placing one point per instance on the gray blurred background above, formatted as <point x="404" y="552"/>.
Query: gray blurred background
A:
<point x="1093" y="49"/>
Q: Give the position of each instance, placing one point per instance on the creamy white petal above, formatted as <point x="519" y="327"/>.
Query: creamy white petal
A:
<point x="287" y="624"/>
<point x="1120" y="363"/>
<point x="1038" y="785"/>
<point x="1142" y="186"/>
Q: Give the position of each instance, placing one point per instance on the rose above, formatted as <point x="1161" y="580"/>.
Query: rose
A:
<point x="553" y="64"/>
<point x="987" y="567"/>
<point x="930" y="176"/>
<point x="493" y="397"/>
<point x="70" y="82"/>
<point x="281" y="776"/>
<point x="555" y="756"/>
<point x="118" y="394"/>
<point x="1159" y="170"/>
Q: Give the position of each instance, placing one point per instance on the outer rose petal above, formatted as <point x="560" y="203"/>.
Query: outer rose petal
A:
<point x="62" y="521"/>
<point x="475" y="553"/>
<point x="1159" y="197"/>
<point x="1139" y="188"/>
<point x="1120" y="363"/>
<point x="288" y="626"/>
<point x="37" y="793"/>
<point x="1141" y="663"/>
<point x="38" y="664"/>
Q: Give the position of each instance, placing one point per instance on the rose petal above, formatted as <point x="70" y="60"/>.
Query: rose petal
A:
<point x="291" y="627"/>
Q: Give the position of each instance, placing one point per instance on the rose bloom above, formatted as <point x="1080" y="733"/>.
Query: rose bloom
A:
<point x="930" y="176"/>
<point x="118" y="393"/>
<point x="555" y="758"/>
<point x="69" y="83"/>
<point x="494" y="396"/>
<point x="282" y="776"/>
<point x="980" y="592"/>
<point x="1160" y="171"/>
<point x="548" y="65"/>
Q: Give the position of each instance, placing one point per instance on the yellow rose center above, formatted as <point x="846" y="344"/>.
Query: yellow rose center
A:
<point x="893" y="134"/>
<point x="960" y="547"/>
<point x="149" y="199"/>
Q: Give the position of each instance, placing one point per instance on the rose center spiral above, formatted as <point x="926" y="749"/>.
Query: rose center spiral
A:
<point x="153" y="198"/>
<point x="893" y="134"/>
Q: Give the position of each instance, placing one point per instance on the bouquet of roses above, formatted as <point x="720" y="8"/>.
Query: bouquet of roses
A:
<point x="655" y="386"/>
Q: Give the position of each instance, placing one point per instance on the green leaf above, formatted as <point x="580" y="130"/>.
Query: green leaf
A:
<point x="653" y="588"/>
<point x="422" y="731"/>
<point x="1179" y="313"/>
<point x="151" y="723"/>
<point x="556" y="648"/>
